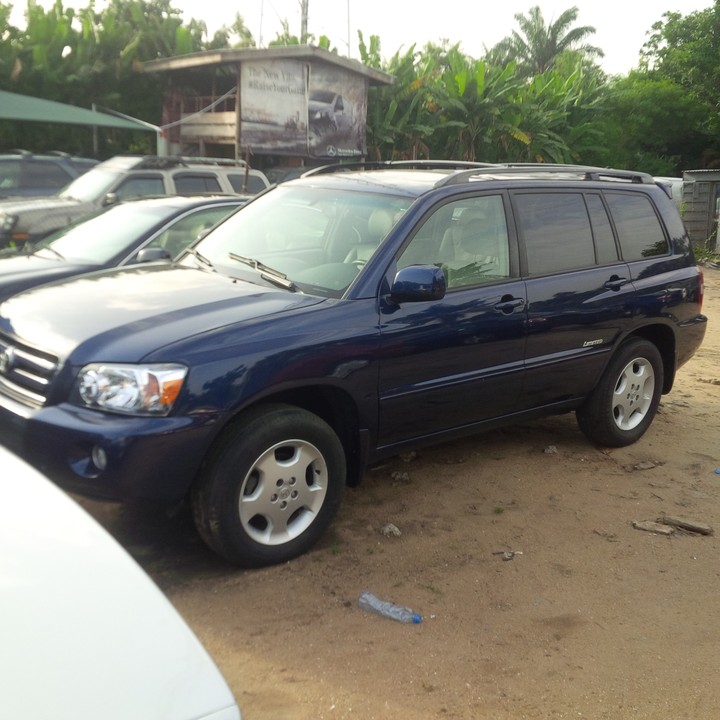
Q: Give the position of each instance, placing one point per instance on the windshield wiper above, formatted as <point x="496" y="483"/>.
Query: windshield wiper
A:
<point x="50" y="249"/>
<point x="266" y="272"/>
<point x="197" y="254"/>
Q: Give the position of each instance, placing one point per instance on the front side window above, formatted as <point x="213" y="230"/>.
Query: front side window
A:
<point x="555" y="228"/>
<point x="467" y="238"/>
<point x="140" y="186"/>
<point x="638" y="228"/>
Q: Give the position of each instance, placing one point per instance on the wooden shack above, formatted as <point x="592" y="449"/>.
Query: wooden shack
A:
<point x="701" y="205"/>
<point x="299" y="103"/>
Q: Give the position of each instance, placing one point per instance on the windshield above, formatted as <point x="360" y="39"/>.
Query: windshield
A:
<point x="90" y="186"/>
<point x="318" y="239"/>
<point x="104" y="236"/>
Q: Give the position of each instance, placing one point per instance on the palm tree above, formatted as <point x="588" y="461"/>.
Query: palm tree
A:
<point x="537" y="46"/>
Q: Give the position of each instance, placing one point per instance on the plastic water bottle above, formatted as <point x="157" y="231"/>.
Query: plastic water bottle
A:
<point x="369" y="602"/>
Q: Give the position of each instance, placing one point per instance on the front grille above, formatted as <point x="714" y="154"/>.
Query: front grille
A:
<point x="25" y="372"/>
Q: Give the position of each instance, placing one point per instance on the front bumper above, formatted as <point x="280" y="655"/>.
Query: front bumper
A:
<point x="106" y="456"/>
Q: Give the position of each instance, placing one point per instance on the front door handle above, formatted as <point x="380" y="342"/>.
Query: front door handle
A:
<point x="509" y="304"/>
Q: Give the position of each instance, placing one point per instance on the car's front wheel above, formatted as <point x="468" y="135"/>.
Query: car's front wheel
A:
<point x="622" y="406"/>
<point x="271" y="487"/>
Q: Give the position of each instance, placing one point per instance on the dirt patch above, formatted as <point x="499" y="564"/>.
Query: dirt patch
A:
<point x="592" y="617"/>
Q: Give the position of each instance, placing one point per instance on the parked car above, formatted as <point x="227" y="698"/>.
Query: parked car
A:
<point x="85" y="633"/>
<point x="136" y="231"/>
<point x="23" y="173"/>
<point x="124" y="177"/>
<point x="344" y="317"/>
<point x="328" y="112"/>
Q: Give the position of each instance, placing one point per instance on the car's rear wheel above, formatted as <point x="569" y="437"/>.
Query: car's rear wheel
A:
<point x="624" y="403"/>
<point x="271" y="487"/>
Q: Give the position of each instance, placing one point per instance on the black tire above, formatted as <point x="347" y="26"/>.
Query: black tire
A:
<point x="623" y="404"/>
<point x="271" y="486"/>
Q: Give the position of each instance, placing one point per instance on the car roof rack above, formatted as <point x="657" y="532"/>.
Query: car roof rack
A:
<point x="557" y="171"/>
<point x="158" y="161"/>
<point x="402" y="164"/>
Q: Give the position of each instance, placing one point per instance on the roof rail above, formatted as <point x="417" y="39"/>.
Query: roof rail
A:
<point x="582" y="172"/>
<point x="159" y="162"/>
<point x="403" y="164"/>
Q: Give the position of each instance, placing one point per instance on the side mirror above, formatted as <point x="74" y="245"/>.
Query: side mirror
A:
<point x="154" y="254"/>
<point x="418" y="283"/>
<point x="109" y="199"/>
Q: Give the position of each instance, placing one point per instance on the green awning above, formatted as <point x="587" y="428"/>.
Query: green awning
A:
<point x="24" y="107"/>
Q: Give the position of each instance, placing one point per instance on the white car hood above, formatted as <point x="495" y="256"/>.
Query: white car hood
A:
<point x="85" y="633"/>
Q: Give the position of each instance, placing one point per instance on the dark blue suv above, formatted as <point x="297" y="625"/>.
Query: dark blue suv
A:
<point x="341" y="318"/>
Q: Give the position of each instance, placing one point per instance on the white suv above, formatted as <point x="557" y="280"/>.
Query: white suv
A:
<point x="124" y="177"/>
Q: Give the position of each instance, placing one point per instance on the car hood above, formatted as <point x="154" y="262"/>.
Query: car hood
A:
<point x="85" y="632"/>
<point x="26" y="271"/>
<point x="126" y="314"/>
<point x="12" y="206"/>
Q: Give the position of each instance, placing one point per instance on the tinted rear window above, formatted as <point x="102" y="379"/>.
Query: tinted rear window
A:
<point x="638" y="227"/>
<point x="255" y="183"/>
<point x="188" y="184"/>
<point x="556" y="230"/>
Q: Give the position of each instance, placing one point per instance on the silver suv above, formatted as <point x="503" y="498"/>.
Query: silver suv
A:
<point x="123" y="177"/>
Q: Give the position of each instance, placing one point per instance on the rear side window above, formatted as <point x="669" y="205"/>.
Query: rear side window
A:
<point x="639" y="230"/>
<point x="556" y="231"/>
<point x="255" y="183"/>
<point x="190" y="184"/>
<point x="605" y="247"/>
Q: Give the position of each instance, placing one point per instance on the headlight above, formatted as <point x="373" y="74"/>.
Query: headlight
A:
<point x="131" y="389"/>
<point x="7" y="222"/>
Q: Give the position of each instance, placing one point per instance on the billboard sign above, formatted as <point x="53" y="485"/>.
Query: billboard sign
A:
<point x="298" y="108"/>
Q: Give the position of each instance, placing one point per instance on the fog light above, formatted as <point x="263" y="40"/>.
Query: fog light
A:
<point x="99" y="458"/>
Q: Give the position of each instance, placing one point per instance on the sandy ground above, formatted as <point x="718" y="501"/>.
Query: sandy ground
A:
<point x="591" y="618"/>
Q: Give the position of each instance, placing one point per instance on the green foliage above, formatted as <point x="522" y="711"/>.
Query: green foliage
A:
<point x="537" y="96"/>
<point x="537" y="47"/>
<point x="653" y="124"/>
<point x="685" y="51"/>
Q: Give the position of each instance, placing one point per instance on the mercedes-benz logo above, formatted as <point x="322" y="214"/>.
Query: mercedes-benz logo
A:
<point x="6" y="360"/>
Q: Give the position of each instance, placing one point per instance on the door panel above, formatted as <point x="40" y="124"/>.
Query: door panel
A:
<point x="573" y="322"/>
<point x="450" y="363"/>
<point x="456" y="361"/>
